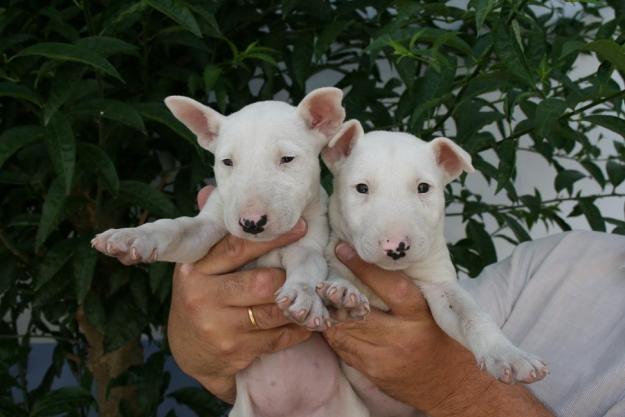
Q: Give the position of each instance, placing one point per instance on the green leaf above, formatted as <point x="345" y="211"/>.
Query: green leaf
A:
<point x="211" y="76"/>
<point x="482" y="241"/>
<point x="95" y="159"/>
<point x="159" y="113"/>
<point x="142" y="195"/>
<point x="126" y="321"/>
<point x="19" y="92"/>
<point x="178" y="12"/>
<point x="594" y="170"/>
<point x="62" y="400"/>
<point x="62" y="148"/>
<point x="518" y="230"/>
<point x="616" y="172"/>
<point x="53" y="261"/>
<point x="593" y="215"/>
<point x="510" y="54"/>
<point x="506" y="150"/>
<point x="613" y="123"/>
<point x="328" y="35"/>
<point x="72" y="53"/>
<point x="84" y="263"/>
<point x="610" y="51"/>
<point x="160" y="279"/>
<point x="15" y="138"/>
<point x="52" y="211"/>
<point x="106" y="46"/>
<point x="566" y="178"/>
<point x="482" y="10"/>
<point x="115" y="110"/>
<point x="548" y="112"/>
<point x="95" y="312"/>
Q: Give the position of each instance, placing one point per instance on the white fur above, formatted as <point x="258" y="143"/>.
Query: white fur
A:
<point x="257" y="182"/>
<point x="392" y="165"/>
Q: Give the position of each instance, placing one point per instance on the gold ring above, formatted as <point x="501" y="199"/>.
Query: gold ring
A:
<point x="250" y="314"/>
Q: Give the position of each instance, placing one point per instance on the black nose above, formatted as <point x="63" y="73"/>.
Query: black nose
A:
<point x="399" y="252"/>
<point x="253" y="227"/>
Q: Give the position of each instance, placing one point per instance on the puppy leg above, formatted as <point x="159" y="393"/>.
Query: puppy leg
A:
<point x="460" y="317"/>
<point x="343" y="295"/>
<point x="305" y="269"/>
<point x="185" y="239"/>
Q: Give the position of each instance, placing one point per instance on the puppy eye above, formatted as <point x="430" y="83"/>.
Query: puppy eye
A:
<point x="286" y="159"/>
<point x="423" y="188"/>
<point x="362" y="188"/>
<point x="227" y="162"/>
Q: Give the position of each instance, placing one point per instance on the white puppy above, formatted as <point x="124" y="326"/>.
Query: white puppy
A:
<point x="267" y="171"/>
<point x="388" y="203"/>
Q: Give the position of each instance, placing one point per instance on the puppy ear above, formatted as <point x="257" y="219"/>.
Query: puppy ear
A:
<point x="203" y="121"/>
<point x="451" y="158"/>
<point x="341" y="144"/>
<point x="322" y="110"/>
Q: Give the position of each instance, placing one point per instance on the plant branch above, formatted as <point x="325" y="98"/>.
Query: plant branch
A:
<point x="503" y="208"/>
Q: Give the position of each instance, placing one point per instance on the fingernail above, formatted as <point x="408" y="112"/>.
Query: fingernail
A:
<point x="299" y="227"/>
<point x="344" y="251"/>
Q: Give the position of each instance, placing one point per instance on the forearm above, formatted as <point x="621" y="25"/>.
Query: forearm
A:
<point x="474" y="393"/>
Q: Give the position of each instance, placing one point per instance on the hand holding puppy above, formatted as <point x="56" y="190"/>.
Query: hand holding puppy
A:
<point x="405" y="354"/>
<point x="209" y="330"/>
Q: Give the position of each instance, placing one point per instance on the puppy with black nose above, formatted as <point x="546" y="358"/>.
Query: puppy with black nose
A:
<point x="388" y="204"/>
<point x="267" y="171"/>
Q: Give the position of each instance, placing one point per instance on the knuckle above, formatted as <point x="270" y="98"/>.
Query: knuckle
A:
<point x="234" y="247"/>
<point x="268" y="316"/>
<point x="226" y="346"/>
<point x="402" y="290"/>
<point x="264" y="283"/>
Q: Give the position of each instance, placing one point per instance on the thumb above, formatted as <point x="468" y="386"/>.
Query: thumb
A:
<point x="286" y="336"/>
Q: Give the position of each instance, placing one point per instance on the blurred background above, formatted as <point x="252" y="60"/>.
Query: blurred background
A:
<point x="533" y="90"/>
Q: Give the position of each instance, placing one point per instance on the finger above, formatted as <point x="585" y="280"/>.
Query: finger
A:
<point x="240" y="289"/>
<point x="232" y="253"/>
<point x="203" y="194"/>
<point x="266" y="316"/>
<point x="395" y="288"/>
<point x="275" y="340"/>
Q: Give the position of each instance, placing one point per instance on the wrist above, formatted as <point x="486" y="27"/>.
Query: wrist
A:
<point x="458" y="384"/>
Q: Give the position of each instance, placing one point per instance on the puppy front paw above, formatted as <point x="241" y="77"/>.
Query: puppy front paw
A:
<point x="510" y="364"/>
<point x="343" y="295"/>
<point x="301" y="304"/>
<point x="129" y="245"/>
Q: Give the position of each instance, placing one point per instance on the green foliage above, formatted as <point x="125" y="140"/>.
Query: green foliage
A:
<point x="86" y="143"/>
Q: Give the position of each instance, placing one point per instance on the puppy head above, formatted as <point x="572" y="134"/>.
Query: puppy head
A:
<point x="266" y="157"/>
<point x="389" y="191"/>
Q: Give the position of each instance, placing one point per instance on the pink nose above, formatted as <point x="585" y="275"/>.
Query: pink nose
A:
<point x="395" y="244"/>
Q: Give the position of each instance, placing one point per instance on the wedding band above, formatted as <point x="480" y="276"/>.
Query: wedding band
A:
<point x="250" y="314"/>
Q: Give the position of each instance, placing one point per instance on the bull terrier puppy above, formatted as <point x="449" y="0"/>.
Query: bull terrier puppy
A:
<point x="388" y="203"/>
<point x="267" y="171"/>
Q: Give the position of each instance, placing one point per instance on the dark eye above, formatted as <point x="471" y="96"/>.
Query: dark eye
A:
<point x="227" y="162"/>
<point x="362" y="188"/>
<point x="286" y="159"/>
<point x="423" y="188"/>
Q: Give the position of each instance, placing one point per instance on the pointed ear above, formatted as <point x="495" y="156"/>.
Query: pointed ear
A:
<point x="451" y="158"/>
<point x="322" y="111"/>
<point x="341" y="144"/>
<point x="203" y="121"/>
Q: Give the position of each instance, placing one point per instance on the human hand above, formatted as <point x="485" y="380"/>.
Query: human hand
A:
<point x="405" y="354"/>
<point x="210" y="333"/>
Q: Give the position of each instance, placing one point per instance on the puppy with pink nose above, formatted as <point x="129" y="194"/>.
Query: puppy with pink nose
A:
<point x="388" y="203"/>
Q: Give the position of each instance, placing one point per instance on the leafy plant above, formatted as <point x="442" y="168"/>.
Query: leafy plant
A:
<point x="86" y="144"/>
